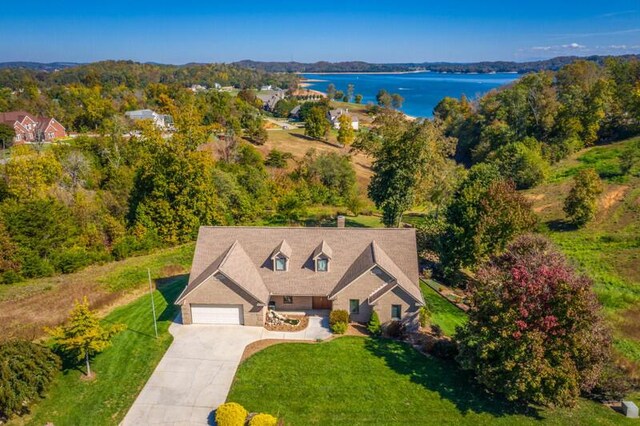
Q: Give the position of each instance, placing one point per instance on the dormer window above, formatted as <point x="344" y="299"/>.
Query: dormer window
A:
<point x="280" y="257"/>
<point x="321" y="256"/>
<point x="280" y="263"/>
<point x="322" y="265"/>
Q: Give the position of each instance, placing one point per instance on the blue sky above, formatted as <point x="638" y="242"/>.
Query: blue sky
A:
<point x="376" y="31"/>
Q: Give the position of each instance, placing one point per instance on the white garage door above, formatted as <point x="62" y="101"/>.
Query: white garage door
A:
<point x="216" y="314"/>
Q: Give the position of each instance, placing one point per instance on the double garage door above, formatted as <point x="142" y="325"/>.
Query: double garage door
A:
<point x="216" y="314"/>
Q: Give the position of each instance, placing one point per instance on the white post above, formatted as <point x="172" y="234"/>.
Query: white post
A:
<point x="153" y="305"/>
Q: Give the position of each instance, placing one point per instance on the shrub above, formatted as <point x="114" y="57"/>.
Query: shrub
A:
<point x="374" y="323"/>
<point x="423" y="316"/>
<point x="263" y="419"/>
<point x="437" y="330"/>
<point x="444" y="349"/>
<point x="613" y="385"/>
<point x="231" y="414"/>
<point x="581" y="203"/>
<point x="395" y="329"/>
<point x="339" y="327"/>
<point x="339" y="315"/>
<point x="26" y="371"/>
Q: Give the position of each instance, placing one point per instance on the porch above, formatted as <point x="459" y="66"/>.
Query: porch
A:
<point x="289" y="304"/>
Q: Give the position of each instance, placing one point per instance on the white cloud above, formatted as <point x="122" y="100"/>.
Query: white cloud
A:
<point x="573" y="46"/>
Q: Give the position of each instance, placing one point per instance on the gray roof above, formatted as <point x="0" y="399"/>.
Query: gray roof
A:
<point x="244" y="255"/>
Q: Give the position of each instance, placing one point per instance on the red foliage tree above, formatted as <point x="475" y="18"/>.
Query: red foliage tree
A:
<point x="535" y="332"/>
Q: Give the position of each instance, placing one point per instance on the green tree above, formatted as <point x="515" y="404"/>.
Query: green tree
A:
<point x="6" y="135"/>
<point x="316" y="124"/>
<point x="521" y="162"/>
<point x="397" y="100"/>
<point x="485" y="214"/>
<point x="255" y="131"/>
<point x="346" y="134"/>
<point x="26" y="372"/>
<point x="10" y="264"/>
<point x="331" y="91"/>
<point x="83" y="336"/>
<point x="358" y="98"/>
<point x="535" y="331"/>
<point x="581" y="203"/>
<point x="339" y="95"/>
<point x="630" y="159"/>
<point x="277" y="159"/>
<point x="408" y="157"/>
<point x="384" y="99"/>
<point x="350" y="89"/>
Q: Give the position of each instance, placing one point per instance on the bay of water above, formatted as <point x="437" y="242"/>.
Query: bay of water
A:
<point x="421" y="91"/>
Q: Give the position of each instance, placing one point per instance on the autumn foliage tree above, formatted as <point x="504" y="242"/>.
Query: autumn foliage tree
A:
<point x="581" y="203"/>
<point x="346" y="134"/>
<point x="535" y="332"/>
<point x="83" y="336"/>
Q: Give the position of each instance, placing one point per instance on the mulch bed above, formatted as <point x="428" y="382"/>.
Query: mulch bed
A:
<point x="304" y="322"/>
<point x="255" y="347"/>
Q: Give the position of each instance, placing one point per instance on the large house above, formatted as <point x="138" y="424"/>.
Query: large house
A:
<point x="335" y="114"/>
<point x="162" y="121"/>
<point x="238" y="273"/>
<point x="29" y="128"/>
<point x="270" y="98"/>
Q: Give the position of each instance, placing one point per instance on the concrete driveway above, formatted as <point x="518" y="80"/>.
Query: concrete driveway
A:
<point x="196" y="372"/>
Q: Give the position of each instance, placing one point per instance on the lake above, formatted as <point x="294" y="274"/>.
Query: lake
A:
<point x="422" y="90"/>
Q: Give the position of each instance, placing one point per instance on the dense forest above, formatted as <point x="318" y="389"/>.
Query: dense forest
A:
<point x="128" y="188"/>
<point x="553" y="64"/>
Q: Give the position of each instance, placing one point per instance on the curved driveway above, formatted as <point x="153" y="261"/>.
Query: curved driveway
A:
<point x="196" y="372"/>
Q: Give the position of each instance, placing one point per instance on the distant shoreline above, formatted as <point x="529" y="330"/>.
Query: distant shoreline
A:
<point x="364" y="72"/>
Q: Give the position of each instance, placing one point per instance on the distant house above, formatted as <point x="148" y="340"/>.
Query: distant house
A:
<point x="29" y="128"/>
<point x="264" y="88"/>
<point x="162" y="121"/>
<point x="270" y="98"/>
<point x="295" y="112"/>
<point x="335" y="114"/>
<point x="197" y="88"/>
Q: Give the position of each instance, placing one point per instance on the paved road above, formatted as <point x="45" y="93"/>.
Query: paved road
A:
<point x="196" y="372"/>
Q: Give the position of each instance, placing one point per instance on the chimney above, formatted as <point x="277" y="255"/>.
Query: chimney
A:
<point x="341" y="221"/>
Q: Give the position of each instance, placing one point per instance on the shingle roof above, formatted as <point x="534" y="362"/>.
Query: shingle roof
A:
<point x="353" y="253"/>
<point x="283" y="248"/>
<point x="235" y="264"/>
<point x="373" y="256"/>
<point x="323" y="248"/>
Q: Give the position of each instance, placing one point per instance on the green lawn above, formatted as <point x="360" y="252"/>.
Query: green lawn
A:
<point x="122" y="370"/>
<point x="366" y="381"/>
<point x="442" y="313"/>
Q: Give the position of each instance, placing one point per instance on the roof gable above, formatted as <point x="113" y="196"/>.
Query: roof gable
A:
<point x="283" y="248"/>
<point x="234" y="264"/>
<point x="323" y="249"/>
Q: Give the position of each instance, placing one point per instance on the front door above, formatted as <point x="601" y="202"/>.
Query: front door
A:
<point x="321" y="302"/>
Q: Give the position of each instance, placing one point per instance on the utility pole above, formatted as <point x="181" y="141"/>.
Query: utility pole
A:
<point x="153" y="305"/>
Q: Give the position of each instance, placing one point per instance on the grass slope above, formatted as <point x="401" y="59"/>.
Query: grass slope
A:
<point x="442" y="313"/>
<point x="608" y="248"/>
<point x="26" y="307"/>
<point x="358" y="381"/>
<point x="122" y="370"/>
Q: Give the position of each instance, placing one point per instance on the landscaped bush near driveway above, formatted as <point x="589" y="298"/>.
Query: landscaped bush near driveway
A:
<point x="339" y="315"/>
<point x="263" y="419"/>
<point x="339" y="327"/>
<point x="26" y="370"/>
<point x="231" y="414"/>
<point x="339" y="321"/>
